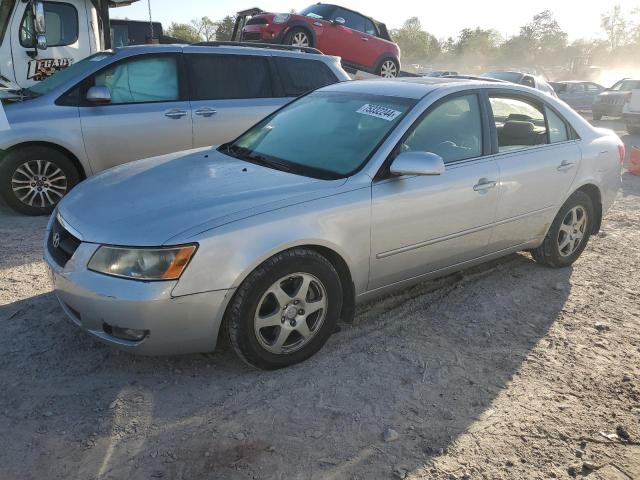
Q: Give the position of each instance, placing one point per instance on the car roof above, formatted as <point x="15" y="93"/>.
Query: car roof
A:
<point x="224" y="47"/>
<point x="411" y="87"/>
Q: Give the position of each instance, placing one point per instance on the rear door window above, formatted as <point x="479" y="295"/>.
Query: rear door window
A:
<point x="369" y="28"/>
<point x="520" y="124"/>
<point x="300" y="76"/>
<point x="223" y="77"/>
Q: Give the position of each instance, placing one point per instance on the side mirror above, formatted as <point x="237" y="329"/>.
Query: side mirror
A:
<point x="39" y="25"/>
<point x="99" y="94"/>
<point x="417" y="163"/>
<point x="338" y="21"/>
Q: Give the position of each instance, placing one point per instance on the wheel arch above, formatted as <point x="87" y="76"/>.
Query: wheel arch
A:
<point x="336" y="259"/>
<point x="301" y="25"/>
<point x="66" y="152"/>
<point x="593" y="191"/>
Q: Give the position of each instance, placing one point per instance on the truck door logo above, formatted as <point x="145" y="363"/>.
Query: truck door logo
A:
<point x="45" y="67"/>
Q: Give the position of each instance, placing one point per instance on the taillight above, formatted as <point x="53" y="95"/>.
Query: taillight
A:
<point x="621" y="152"/>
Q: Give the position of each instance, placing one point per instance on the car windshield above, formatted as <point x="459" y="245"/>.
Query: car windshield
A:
<point x="322" y="12"/>
<point x="74" y="72"/>
<point x="513" y="77"/>
<point x="626" y="85"/>
<point x="323" y="135"/>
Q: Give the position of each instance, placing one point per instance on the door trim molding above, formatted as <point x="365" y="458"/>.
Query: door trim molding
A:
<point x="415" y="246"/>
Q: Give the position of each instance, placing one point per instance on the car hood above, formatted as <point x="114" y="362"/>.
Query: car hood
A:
<point x="150" y="201"/>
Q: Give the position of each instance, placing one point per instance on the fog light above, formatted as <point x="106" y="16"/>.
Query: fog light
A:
<point x="130" y="334"/>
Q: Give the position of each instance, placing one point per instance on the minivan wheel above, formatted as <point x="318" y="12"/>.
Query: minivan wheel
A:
<point x="298" y="37"/>
<point x="569" y="233"/>
<point x="34" y="179"/>
<point x="388" y="68"/>
<point x="285" y="310"/>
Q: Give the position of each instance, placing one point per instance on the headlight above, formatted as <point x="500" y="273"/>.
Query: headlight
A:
<point x="281" y="18"/>
<point x="142" y="263"/>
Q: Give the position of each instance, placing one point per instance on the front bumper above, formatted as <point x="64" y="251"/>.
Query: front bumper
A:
<point x="96" y="303"/>
<point x="608" y="109"/>
<point x="270" y="33"/>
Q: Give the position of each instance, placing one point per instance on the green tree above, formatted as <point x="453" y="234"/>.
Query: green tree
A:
<point x="416" y="44"/>
<point x="183" y="31"/>
<point x="477" y="45"/>
<point x="224" y="28"/>
<point x="615" y="26"/>
<point x="205" y="28"/>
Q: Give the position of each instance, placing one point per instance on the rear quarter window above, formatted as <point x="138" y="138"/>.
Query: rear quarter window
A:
<point x="300" y="76"/>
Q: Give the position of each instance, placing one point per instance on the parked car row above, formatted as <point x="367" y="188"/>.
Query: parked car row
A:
<point x="344" y="194"/>
<point x="136" y="102"/>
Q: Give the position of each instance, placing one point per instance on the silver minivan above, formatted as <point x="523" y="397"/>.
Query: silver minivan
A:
<point x="136" y="102"/>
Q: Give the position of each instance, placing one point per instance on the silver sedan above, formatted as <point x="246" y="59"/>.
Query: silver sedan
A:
<point x="345" y="194"/>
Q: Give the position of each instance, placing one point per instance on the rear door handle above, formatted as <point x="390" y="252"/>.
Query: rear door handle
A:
<point x="206" y="112"/>
<point x="176" y="113"/>
<point x="484" y="185"/>
<point x="565" y="165"/>
<point x="364" y="39"/>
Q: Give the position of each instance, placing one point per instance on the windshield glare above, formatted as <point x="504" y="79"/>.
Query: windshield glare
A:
<point x="321" y="12"/>
<point x="74" y="72"/>
<point x="323" y="135"/>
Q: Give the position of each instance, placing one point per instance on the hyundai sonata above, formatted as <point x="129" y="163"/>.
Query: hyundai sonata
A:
<point x="344" y="194"/>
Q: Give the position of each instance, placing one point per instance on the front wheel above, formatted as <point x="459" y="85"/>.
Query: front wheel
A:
<point x="569" y="233"/>
<point x="633" y="129"/>
<point x="34" y="179"/>
<point x="298" y="37"/>
<point x="285" y="310"/>
<point x="388" y="68"/>
<point x="597" y="116"/>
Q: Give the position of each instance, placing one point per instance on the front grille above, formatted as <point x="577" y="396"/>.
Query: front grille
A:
<point x="64" y="246"/>
<point x="614" y="101"/>
<point x="251" y="37"/>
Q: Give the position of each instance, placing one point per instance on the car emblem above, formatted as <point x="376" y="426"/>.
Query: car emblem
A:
<point x="56" y="240"/>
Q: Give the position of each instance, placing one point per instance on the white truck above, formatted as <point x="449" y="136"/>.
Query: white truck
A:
<point x="40" y="37"/>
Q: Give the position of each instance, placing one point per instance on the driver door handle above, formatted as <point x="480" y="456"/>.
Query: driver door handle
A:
<point x="483" y="185"/>
<point x="364" y="39"/>
<point x="176" y="113"/>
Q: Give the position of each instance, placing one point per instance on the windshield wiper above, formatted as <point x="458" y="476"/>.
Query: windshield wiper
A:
<point x="258" y="159"/>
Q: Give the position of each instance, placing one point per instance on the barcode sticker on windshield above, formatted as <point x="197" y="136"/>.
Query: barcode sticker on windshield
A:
<point x="379" y="111"/>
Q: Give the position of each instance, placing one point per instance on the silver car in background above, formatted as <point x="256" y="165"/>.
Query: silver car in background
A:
<point x="137" y="102"/>
<point x="354" y="190"/>
<point x="578" y="95"/>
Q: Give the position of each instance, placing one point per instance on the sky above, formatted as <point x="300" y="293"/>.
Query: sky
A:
<point x="578" y="18"/>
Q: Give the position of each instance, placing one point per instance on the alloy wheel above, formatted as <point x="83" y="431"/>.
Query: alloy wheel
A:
<point x="572" y="230"/>
<point x="39" y="183"/>
<point x="388" y="69"/>
<point x="300" y="39"/>
<point x="290" y="313"/>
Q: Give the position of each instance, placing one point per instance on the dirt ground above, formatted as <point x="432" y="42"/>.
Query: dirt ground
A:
<point x="507" y="371"/>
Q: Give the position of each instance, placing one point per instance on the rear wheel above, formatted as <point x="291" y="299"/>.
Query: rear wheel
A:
<point x="34" y="179"/>
<point x="285" y="310"/>
<point x="569" y="233"/>
<point x="388" y="68"/>
<point x="299" y="37"/>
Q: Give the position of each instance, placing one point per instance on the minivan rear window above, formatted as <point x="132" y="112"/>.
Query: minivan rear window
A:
<point x="222" y="77"/>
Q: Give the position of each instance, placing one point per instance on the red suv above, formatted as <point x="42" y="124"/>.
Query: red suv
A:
<point x="362" y="42"/>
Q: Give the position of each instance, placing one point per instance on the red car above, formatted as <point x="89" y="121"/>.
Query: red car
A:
<point x="362" y="42"/>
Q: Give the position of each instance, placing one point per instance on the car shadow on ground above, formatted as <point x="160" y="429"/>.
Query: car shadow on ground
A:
<point x="426" y="362"/>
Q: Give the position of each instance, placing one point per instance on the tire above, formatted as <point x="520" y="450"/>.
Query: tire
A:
<point x="551" y="253"/>
<point x="43" y="174"/>
<point x="388" y="68"/>
<point x="299" y="37"/>
<point x="597" y="116"/>
<point x="272" y="344"/>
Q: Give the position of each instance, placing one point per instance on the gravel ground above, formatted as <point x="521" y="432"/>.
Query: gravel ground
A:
<point x="506" y="371"/>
